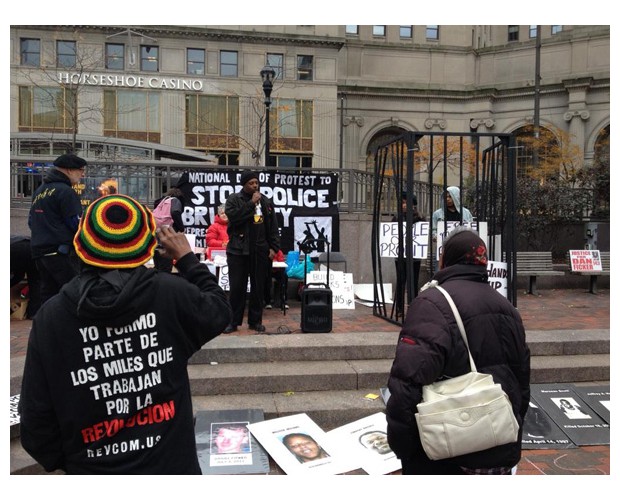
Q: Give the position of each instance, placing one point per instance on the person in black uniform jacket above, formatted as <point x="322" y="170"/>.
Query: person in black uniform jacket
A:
<point x="53" y="219"/>
<point x="430" y="347"/>
<point x="253" y="242"/>
<point x="105" y="387"/>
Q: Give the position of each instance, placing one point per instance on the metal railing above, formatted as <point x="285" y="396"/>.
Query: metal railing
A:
<point x="147" y="181"/>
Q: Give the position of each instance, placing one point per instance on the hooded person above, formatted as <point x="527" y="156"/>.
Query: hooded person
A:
<point x="430" y="347"/>
<point x="105" y="387"/>
<point x="450" y="211"/>
<point x="253" y="241"/>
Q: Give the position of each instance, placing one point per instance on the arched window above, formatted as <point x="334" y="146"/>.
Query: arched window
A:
<point x="601" y="181"/>
<point x="601" y="147"/>
<point x="380" y="137"/>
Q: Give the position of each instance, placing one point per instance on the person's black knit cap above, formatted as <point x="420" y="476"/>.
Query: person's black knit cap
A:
<point x="248" y="176"/>
<point x="414" y="198"/>
<point x="464" y="246"/>
<point x="69" y="160"/>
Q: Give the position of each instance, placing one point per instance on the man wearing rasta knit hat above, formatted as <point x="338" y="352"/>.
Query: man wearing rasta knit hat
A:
<point x="430" y="348"/>
<point x="116" y="232"/>
<point x="107" y="356"/>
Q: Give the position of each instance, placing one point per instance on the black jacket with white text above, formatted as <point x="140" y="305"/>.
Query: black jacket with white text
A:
<point x="105" y="387"/>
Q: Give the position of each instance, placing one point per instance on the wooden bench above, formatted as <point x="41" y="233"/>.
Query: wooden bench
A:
<point x="534" y="264"/>
<point x="594" y="274"/>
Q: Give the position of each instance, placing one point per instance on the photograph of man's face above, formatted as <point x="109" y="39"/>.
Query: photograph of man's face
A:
<point x="570" y="408"/>
<point x="375" y="441"/>
<point x="230" y="437"/>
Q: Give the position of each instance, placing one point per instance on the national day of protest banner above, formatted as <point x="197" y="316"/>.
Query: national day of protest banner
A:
<point x="306" y="203"/>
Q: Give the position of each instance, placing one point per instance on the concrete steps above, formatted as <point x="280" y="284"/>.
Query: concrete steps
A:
<point x="334" y="377"/>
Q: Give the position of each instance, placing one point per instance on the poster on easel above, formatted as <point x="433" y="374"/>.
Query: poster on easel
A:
<point x="225" y="445"/>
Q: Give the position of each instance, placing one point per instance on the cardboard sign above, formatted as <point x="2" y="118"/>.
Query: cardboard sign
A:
<point x="365" y="293"/>
<point x="340" y="283"/>
<point x="220" y="270"/>
<point x="498" y="276"/>
<point x="389" y="242"/>
<point x="585" y="260"/>
<point x="444" y="228"/>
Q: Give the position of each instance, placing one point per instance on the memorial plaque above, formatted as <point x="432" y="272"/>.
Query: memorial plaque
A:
<point x="540" y="432"/>
<point x="573" y="416"/>
<point x="597" y="397"/>
<point x="225" y="444"/>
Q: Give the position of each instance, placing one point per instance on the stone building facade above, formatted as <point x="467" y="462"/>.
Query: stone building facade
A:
<point x="356" y="83"/>
<point x="194" y="93"/>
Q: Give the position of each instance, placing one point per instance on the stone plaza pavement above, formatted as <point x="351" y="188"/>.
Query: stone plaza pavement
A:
<point x="553" y="309"/>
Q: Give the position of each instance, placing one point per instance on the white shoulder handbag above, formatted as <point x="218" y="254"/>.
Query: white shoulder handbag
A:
<point x="464" y="414"/>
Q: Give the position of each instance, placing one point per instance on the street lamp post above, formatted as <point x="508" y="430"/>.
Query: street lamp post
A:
<point x="267" y="74"/>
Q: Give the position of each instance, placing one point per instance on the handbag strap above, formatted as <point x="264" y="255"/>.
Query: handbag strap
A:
<point x="459" y="321"/>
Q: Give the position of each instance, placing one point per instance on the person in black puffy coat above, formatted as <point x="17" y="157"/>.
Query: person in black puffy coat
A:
<point x="430" y="347"/>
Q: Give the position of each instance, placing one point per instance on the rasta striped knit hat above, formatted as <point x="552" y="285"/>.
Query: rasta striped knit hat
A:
<point x="116" y="232"/>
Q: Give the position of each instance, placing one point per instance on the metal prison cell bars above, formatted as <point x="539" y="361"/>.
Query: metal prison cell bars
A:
<point x="482" y="165"/>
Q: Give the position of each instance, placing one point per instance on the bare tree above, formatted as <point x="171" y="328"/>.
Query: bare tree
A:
<point x="70" y="100"/>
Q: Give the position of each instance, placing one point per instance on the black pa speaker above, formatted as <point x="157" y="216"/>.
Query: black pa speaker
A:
<point x="316" y="310"/>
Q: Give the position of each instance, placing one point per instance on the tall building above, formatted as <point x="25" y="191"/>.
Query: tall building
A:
<point x="195" y="92"/>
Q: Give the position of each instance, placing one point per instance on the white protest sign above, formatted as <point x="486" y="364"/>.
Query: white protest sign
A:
<point x="191" y="239"/>
<point x="444" y="228"/>
<point x="341" y="285"/>
<point x="388" y="239"/>
<point x="585" y="260"/>
<point x="222" y="278"/>
<point x="498" y="276"/>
